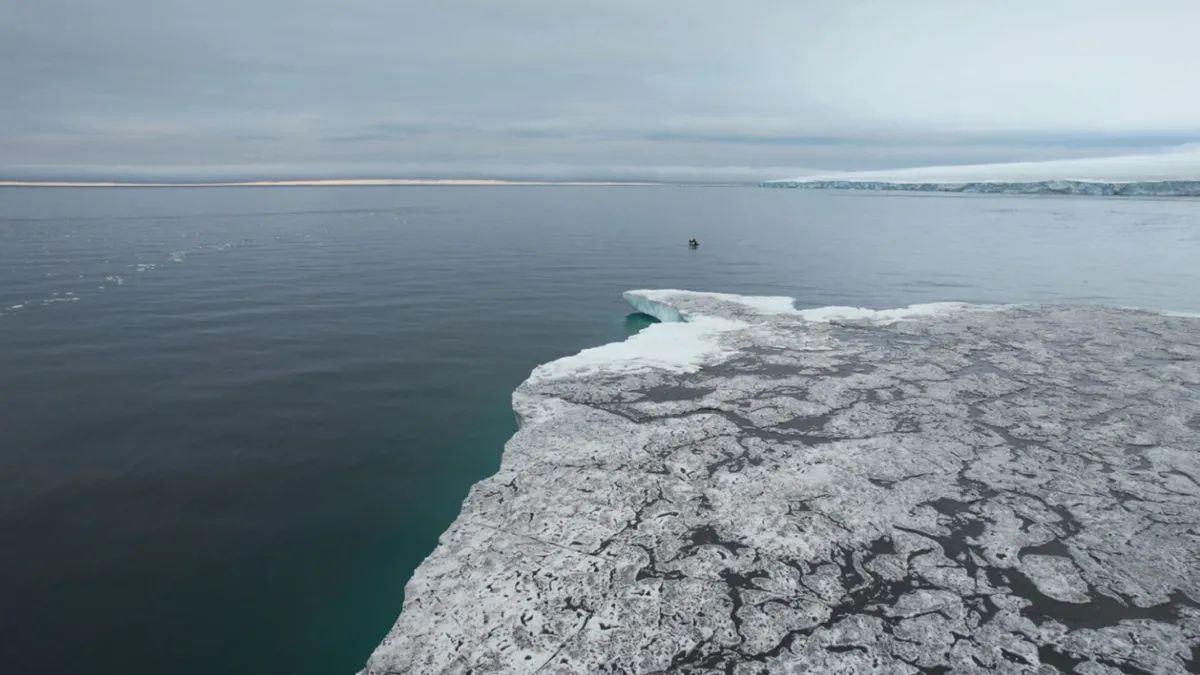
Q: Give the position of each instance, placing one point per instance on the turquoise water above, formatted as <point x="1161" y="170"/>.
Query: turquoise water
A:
<point x="234" y="420"/>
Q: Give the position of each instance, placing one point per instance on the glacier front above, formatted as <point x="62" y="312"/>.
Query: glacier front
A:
<point x="751" y="488"/>
<point x="1175" y="173"/>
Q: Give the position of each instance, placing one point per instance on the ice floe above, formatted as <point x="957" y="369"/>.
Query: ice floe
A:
<point x="749" y="487"/>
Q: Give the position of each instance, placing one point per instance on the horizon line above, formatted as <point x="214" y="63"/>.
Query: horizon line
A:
<point x="349" y="182"/>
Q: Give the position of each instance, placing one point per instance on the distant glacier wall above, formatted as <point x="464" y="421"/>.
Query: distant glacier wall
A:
<point x="1165" y="188"/>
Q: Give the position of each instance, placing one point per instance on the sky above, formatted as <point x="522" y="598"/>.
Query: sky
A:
<point x="666" y="90"/>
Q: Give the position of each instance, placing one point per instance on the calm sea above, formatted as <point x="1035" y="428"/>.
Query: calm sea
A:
<point x="232" y="421"/>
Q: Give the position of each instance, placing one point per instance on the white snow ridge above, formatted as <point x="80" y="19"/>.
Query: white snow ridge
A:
<point x="1174" y="173"/>
<point x="750" y="488"/>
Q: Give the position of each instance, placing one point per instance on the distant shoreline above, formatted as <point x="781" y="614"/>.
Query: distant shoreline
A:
<point x="331" y="182"/>
<point x="1152" y="188"/>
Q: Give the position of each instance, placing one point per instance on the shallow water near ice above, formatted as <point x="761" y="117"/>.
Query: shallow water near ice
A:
<point x="234" y="420"/>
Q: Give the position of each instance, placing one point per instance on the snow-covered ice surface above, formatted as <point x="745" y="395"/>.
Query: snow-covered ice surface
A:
<point x="1175" y="173"/>
<point x="944" y="489"/>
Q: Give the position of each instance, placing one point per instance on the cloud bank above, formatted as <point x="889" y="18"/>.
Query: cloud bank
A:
<point x="604" y="90"/>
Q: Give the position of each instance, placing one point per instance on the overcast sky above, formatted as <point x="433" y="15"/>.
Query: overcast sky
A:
<point x="580" y="89"/>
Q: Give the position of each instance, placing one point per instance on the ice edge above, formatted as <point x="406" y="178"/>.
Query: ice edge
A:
<point x="684" y="308"/>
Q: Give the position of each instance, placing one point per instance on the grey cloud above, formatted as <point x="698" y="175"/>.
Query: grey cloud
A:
<point x="298" y="87"/>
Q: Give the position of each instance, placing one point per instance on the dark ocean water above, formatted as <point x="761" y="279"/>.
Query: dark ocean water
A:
<point x="232" y="421"/>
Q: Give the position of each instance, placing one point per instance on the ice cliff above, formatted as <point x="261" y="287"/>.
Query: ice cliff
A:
<point x="1175" y="173"/>
<point x="750" y="488"/>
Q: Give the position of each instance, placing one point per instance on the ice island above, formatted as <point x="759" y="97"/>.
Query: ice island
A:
<point x="1165" y="174"/>
<point x="751" y="488"/>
